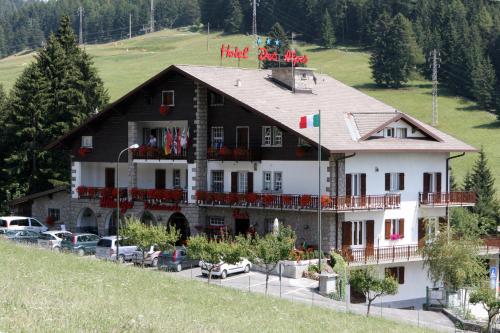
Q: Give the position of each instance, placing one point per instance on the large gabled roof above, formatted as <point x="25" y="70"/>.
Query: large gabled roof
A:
<point x="262" y="95"/>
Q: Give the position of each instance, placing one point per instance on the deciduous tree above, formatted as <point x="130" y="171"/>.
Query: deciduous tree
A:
<point x="488" y="299"/>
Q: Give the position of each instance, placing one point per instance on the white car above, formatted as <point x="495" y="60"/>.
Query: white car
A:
<point x="106" y="249"/>
<point x="22" y="223"/>
<point x="52" y="239"/>
<point x="222" y="270"/>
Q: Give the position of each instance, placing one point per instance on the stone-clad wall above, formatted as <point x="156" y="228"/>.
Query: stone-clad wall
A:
<point x="59" y="200"/>
<point x="305" y="224"/>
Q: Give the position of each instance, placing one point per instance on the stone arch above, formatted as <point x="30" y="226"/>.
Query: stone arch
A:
<point x="180" y="222"/>
<point x="87" y="221"/>
<point x="148" y="218"/>
<point x="110" y="223"/>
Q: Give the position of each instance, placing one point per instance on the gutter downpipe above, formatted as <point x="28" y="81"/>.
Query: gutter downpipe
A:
<point x="448" y="189"/>
<point x="337" y="194"/>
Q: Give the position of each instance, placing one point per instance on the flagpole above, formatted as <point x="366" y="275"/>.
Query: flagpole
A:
<point x="319" y="191"/>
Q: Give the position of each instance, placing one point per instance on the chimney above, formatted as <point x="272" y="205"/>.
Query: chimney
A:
<point x="302" y="77"/>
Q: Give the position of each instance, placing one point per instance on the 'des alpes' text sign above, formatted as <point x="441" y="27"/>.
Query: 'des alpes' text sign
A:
<point x="290" y="56"/>
<point x="227" y="52"/>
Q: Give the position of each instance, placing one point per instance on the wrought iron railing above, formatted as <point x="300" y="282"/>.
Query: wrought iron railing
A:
<point x="234" y="154"/>
<point x="447" y="198"/>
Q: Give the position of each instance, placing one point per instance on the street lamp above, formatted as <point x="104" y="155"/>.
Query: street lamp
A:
<point x="134" y="146"/>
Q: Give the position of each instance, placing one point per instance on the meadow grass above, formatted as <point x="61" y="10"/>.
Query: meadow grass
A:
<point x="124" y="65"/>
<point x="42" y="291"/>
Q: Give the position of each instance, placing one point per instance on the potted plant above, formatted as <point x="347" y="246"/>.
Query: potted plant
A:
<point x="201" y="196"/>
<point x="395" y="237"/>
<point x="164" y="109"/>
<point x="81" y="190"/>
<point x="305" y="201"/>
<point x="326" y="201"/>
<point x="251" y="198"/>
<point x="287" y="200"/>
<point x="268" y="200"/>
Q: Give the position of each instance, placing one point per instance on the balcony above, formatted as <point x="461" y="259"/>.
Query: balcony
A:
<point x="145" y="152"/>
<point x="447" y="199"/>
<point x="153" y="199"/>
<point x="299" y="201"/>
<point x="402" y="253"/>
<point x="383" y="254"/>
<point x="234" y="154"/>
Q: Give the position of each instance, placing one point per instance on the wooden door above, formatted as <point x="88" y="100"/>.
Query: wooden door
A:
<point x="160" y="175"/>
<point x="109" y="177"/>
<point x="242" y="137"/>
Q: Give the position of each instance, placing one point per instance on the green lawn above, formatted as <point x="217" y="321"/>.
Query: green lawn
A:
<point x="123" y="65"/>
<point x="42" y="291"/>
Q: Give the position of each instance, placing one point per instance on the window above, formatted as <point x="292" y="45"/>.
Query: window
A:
<point x="272" y="136"/>
<point x="394" y="181"/>
<point x="216" y="99"/>
<point x="218" y="181"/>
<point x="160" y="176"/>
<point x="278" y="181"/>
<point x="177" y="178"/>
<point x="35" y="223"/>
<point x="22" y="223"/>
<point x="87" y="141"/>
<point x="243" y="182"/>
<point x="394" y="229"/>
<point x="432" y="182"/>
<point x="216" y="221"/>
<point x="55" y="213"/>
<point x="109" y="177"/>
<point x="303" y="143"/>
<point x="357" y="230"/>
<point x="356" y="184"/>
<point x="267" y="181"/>
<point x="398" y="273"/>
<point x="267" y="135"/>
<point x="217" y="136"/>
<point x="432" y="227"/>
<point x="389" y="132"/>
<point x="168" y="98"/>
<point x="277" y="136"/>
<point x="401" y="133"/>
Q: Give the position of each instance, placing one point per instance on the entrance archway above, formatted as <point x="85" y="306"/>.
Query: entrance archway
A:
<point x="148" y="218"/>
<point x="111" y="223"/>
<point x="87" y="221"/>
<point x="179" y="221"/>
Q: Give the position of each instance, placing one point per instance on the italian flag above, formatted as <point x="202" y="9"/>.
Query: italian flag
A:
<point x="309" y="121"/>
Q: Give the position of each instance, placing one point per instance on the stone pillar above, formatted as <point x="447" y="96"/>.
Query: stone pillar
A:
<point x="132" y="167"/>
<point x="76" y="178"/>
<point x="200" y="140"/>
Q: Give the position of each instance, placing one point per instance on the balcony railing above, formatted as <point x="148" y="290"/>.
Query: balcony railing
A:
<point x="145" y="152"/>
<point x="234" y="154"/>
<point x="298" y="201"/>
<point x="150" y="196"/>
<point x="383" y="254"/>
<point x="443" y="199"/>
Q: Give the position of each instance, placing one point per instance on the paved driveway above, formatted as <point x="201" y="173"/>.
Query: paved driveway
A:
<point x="305" y="291"/>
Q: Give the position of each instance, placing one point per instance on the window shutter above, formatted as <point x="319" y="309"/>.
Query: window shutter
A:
<point x="438" y="182"/>
<point x="250" y="182"/>
<point x="348" y="184"/>
<point x="427" y="181"/>
<point x="370" y="237"/>
<point x="387" y="229"/>
<point x="401" y="228"/>
<point x="346" y="234"/>
<point x="387" y="181"/>
<point x="234" y="182"/>
<point x="401" y="181"/>
<point x="363" y="184"/>
<point x="401" y="275"/>
<point x="421" y="231"/>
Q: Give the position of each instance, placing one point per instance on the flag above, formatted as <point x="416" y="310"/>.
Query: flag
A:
<point x="309" y="121"/>
<point x="184" y="139"/>
<point x="187" y="138"/>
<point x="168" y="142"/>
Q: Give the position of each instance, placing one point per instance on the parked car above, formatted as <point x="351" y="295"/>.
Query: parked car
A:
<point x="22" y="236"/>
<point x="52" y="239"/>
<point x="80" y="243"/>
<point x="150" y="256"/>
<point x="176" y="259"/>
<point x="106" y="249"/>
<point x="223" y="270"/>
<point x="22" y="223"/>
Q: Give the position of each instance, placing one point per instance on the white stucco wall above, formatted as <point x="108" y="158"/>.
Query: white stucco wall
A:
<point x="93" y="174"/>
<point x="299" y="177"/>
<point x="146" y="174"/>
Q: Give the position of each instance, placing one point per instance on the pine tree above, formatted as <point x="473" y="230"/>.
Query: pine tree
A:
<point x="467" y="185"/>
<point x="278" y="43"/>
<point x="395" y="52"/>
<point x="483" y="184"/>
<point x="234" y="17"/>
<point x="483" y="81"/>
<point x="327" y="32"/>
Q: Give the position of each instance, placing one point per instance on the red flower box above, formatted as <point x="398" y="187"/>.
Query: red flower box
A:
<point x="287" y="200"/>
<point x="239" y="153"/>
<point x="326" y="201"/>
<point x="201" y="195"/>
<point x="177" y="195"/>
<point x="225" y="152"/>
<point x="164" y="109"/>
<point x="299" y="152"/>
<point x="81" y="190"/>
<point x="268" y="200"/>
<point x="251" y="198"/>
<point x="143" y="151"/>
<point x="231" y="198"/>
<point x="83" y="151"/>
<point x="305" y="200"/>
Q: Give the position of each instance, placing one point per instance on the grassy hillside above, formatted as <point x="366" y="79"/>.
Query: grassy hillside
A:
<point x="43" y="291"/>
<point x="123" y="65"/>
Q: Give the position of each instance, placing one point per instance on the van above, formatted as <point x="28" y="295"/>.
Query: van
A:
<point x="22" y="223"/>
<point x="106" y="249"/>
